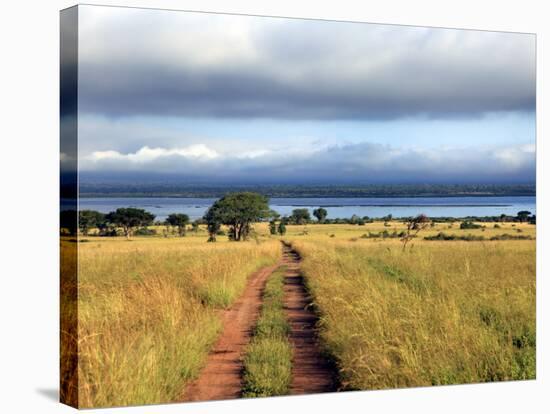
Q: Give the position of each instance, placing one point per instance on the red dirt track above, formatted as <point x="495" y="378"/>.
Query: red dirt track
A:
<point x="311" y="372"/>
<point x="221" y="378"/>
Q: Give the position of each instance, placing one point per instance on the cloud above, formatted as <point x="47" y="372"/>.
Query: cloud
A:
<point x="146" y="154"/>
<point x="164" y="63"/>
<point x="365" y="162"/>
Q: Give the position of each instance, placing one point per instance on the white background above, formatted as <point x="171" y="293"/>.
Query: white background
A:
<point x="29" y="81"/>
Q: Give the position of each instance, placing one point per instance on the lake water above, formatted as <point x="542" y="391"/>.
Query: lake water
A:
<point x="195" y="208"/>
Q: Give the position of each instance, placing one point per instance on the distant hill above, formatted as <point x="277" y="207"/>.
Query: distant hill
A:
<point x="371" y="190"/>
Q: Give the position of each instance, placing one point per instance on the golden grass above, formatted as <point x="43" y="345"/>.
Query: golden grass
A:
<point x="147" y="312"/>
<point x="439" y="313"/>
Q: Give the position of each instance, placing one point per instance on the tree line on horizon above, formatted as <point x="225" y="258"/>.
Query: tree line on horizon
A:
<point x="238" y="211"/>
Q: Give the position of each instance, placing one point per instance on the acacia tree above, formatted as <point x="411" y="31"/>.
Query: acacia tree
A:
<point x="88" y="219"/>
<point x="282" y="228"/>
<point x="523" y="215"/>
<point x="180" y="221"/>
<point x="320" y="213"/>
<point x="414" y="226"/>
<point x="238" y="211"/>
<point x="300" y="215"/>
<point x="129" y="219"/>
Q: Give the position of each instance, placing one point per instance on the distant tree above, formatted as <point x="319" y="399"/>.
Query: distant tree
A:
<point x="274" y="215"/>
<point x="238" y="211"/>
<point x="195" y="226"/>
<point x="523" y="215"/>
<point x="300" y="215"/>
<point x="129" y="219"/>
<point x="533" y="219"/>
<point x="320" y="213"/>
<point x="214" y="228"/>
<point x="88" y="219"/>
<point x="282" y="228"/>
<point x="273" y="227"/>
<point x="414" y="226"/>
<point x="180" y="221"/>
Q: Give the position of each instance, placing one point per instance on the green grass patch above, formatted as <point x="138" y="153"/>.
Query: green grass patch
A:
<point x="268" y="360"/>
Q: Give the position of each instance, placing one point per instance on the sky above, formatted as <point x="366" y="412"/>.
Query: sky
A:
<point x="212" y="98"/>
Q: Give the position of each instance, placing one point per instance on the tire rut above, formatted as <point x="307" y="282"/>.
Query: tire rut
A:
<point x="221" y="377"/>
<point x="311" y="371"/>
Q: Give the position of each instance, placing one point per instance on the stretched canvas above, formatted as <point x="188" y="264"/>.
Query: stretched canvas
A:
<point x="258" y="206"/>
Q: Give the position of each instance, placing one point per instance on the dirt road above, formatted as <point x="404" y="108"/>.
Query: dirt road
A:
<point x="221" y="377"/>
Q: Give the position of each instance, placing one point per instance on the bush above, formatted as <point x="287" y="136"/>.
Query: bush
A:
<point x="144" y="231"/>
<point x="507" y="236"/>
<point x="384" y="235"/>
<point x="469" y="225"/>
<point x="446" y="237"/>
<point x="471" y="237"/>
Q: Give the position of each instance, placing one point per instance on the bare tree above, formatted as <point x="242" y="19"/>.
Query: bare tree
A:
<point x="414" y="226"/>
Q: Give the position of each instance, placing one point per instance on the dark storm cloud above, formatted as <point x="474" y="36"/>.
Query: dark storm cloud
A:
<point x="142" y="62"/>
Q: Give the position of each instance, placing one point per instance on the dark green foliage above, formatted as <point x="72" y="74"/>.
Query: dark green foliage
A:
<point x="129" y="219"/>
<point x="144" y="231"/>
<point x="238" y="211"/>
<point x="180" y="221"/>
<point x="471" y="237"/>
<point x="272" y="227"/>
<point x="88" y="219"/>
<point x="523" y="215"/>
<point x="446" y="237"/>
<point x="320" y="213"/>
<point x="214" y="228"/>
<point x="469" y="225"/>
<point x="384" y="235"/>
<point x="507" y="236"/>
<point x="281" y="229"/>
<point x="300" y="216"/>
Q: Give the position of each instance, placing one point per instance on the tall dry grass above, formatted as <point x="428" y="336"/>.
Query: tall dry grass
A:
<point x="440" y="313"/>
<point x="147" y="312"/>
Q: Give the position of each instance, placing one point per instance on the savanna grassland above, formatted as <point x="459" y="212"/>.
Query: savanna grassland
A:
<point x="148" y="312"/>
<point x="440" y="312"/>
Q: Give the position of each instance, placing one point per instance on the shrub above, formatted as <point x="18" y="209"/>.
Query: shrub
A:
<point x="144" y="231"/>
<point x="469" y="225"/>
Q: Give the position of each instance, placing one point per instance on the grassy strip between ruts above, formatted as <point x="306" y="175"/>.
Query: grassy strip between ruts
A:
<point x="268" y="360"/>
